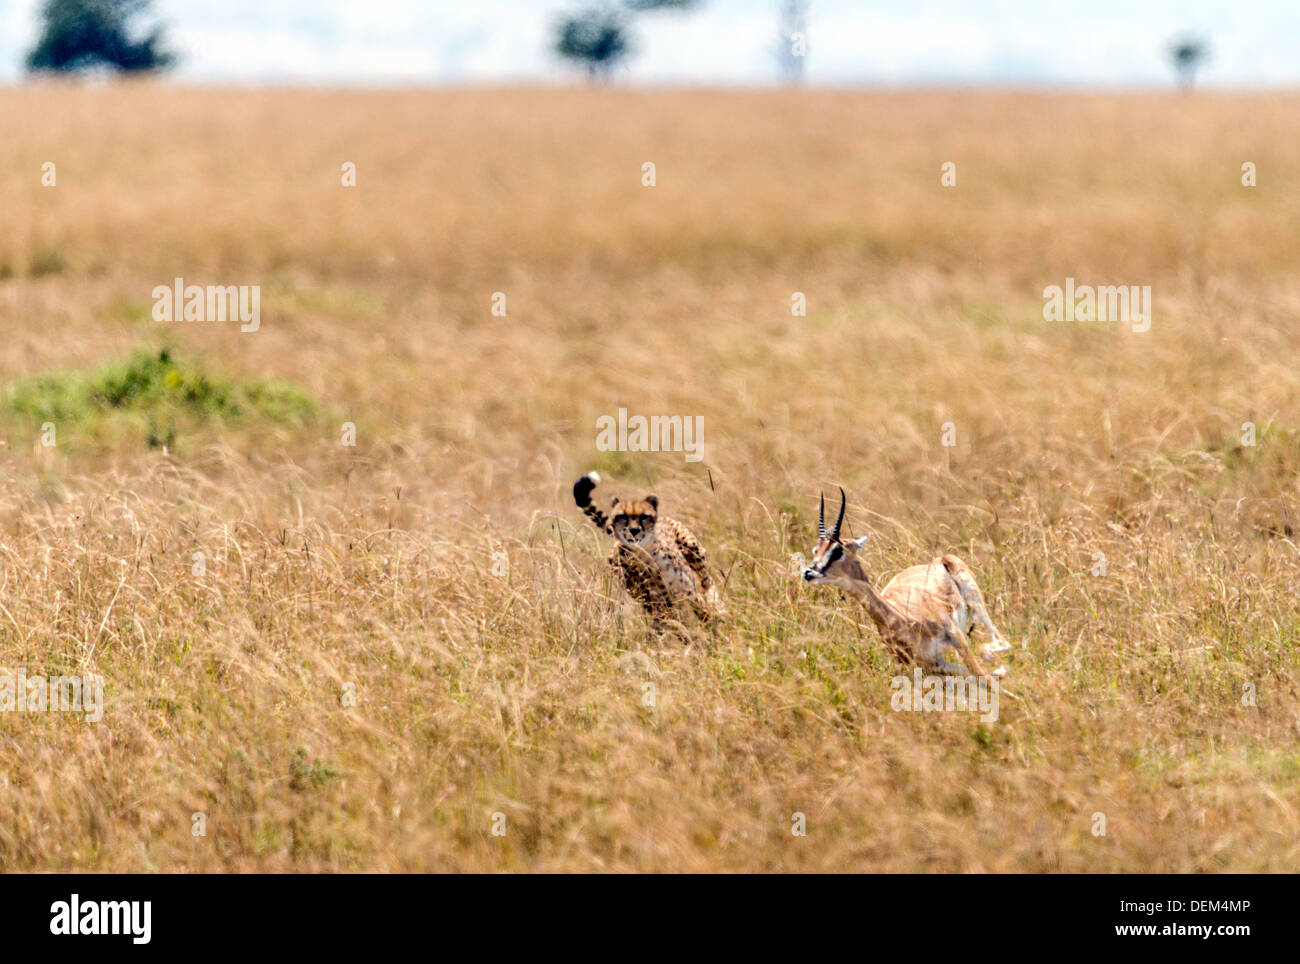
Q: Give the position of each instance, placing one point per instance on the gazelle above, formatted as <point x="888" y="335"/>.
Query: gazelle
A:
<point x="921" y="613"/>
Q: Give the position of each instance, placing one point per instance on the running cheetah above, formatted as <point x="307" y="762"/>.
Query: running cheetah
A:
<point x="658" y="559"/>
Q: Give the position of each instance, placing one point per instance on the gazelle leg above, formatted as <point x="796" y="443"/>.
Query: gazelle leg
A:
<point x="931" y="655"/>
<point x="974" y="599"/>
<point x="962" y="645"/>
<point x="946" y="667"/>
<point x="997" y="642"/>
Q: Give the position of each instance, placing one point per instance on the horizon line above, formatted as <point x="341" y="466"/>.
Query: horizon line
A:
<point x="99" y="81"/>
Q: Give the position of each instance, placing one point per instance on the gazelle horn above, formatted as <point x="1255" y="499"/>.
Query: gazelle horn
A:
<point x="821" y="519"/>
<point x="835" y="532"/>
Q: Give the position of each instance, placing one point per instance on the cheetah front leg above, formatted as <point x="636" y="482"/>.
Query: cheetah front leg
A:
<point x="708" y="603"/>
<point x="645" y="588"/>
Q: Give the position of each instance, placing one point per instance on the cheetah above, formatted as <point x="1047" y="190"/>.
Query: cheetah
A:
<point x="657" y="559"/>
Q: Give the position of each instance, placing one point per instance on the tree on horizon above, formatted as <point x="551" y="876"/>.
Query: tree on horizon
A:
<point x="599" y="37"/>
<point x="83" y="34"/>
<point x="1187" y="55"/>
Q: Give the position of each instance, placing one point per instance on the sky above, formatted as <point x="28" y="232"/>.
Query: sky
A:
<point x="892" y="43"/>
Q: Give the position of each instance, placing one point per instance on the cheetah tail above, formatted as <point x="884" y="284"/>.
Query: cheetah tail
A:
<point x="582" y="496"/>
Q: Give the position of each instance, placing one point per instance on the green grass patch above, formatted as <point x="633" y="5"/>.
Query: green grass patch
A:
<point x="154" y="395"/>
<point x="46" y="261"/>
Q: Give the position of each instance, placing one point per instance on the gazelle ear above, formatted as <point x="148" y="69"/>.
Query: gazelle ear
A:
<point x="853" y="545"/>
<point x="654" y="501"/>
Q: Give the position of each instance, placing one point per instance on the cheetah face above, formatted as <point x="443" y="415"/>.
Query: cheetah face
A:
<point x="633" y="523"/>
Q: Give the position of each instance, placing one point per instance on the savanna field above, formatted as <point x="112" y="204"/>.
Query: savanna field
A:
<point x="351" y="657"/>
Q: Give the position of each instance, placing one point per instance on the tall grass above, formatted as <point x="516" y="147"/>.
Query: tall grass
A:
<point x="317" y="646"/>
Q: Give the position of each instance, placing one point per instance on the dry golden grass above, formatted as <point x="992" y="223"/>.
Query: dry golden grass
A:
<point x="372" y="566"/>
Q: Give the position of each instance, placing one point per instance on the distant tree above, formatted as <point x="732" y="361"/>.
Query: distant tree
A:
<point x="78" y="34"/>
<point x="1187" y="55"/>
<point x="792" y="42"/>
<point x="598" y="37"/>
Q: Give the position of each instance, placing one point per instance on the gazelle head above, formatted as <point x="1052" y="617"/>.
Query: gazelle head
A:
<point x="833" y="560"/>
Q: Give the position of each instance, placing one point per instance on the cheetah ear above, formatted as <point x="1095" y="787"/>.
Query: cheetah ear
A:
<point x="614" y="503"/>
<point x="654" y="501"/>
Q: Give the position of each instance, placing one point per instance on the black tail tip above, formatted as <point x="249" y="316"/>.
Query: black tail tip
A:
<point x="582" y="488"/>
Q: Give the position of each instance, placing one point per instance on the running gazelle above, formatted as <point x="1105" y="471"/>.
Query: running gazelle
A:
<point x="921" y="613"/>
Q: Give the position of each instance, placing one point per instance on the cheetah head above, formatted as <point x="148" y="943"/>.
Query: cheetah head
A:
<point x="633" y="523"/>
